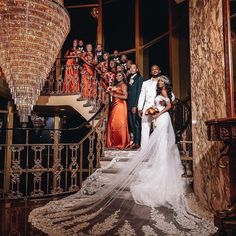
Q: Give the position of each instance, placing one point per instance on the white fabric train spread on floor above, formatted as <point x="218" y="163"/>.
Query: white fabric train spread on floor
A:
<point x="147" y="196"/>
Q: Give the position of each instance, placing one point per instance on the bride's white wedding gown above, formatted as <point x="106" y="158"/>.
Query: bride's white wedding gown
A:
<point x="152" y="178"/>
<point x="159" y="182"/>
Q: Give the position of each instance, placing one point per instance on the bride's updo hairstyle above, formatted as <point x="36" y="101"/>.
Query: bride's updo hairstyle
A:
<point x="167" y="85"/>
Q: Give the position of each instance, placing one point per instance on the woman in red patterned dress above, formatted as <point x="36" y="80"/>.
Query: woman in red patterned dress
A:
<point x="71" y="81"/>
<point x="88" y="77"/>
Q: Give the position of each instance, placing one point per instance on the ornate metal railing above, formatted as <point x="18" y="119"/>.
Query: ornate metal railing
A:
<point x="29" y="170"/>
<point x="181" y="118"/>
<point x="32" y="168"/>
<point x="67" y="79"/>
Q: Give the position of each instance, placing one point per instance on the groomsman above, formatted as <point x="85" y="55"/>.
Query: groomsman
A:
<point x="134" y="87"/>
<point x="146" y="100"/>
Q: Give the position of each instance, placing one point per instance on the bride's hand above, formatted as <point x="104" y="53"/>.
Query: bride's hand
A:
<point x="162" y="103"/>
<point x="155" y="116"/>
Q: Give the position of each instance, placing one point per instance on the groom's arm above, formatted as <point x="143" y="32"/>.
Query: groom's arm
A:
<point x="141" y="99"/>
<point x="138" y="89"/>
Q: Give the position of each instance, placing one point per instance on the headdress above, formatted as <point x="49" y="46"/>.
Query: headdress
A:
<point x="166" y="79"/>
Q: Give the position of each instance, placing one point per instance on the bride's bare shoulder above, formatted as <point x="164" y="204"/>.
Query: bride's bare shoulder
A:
<point x="164" y="93"/>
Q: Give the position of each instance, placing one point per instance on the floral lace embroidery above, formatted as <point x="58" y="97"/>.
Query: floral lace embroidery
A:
<point x="126" y="230"/>
<point x="166" y="227"/>
<point x="92" y="184"/>
<point x="65" y="217"/>
<point x="106" y="225"/>
<point x="148" y="231"/>
<point x="82" y="218"/>
<point x="79" y="227"/>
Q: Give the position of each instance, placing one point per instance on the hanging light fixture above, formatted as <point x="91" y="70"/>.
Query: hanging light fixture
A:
<point x="31" y="35"/>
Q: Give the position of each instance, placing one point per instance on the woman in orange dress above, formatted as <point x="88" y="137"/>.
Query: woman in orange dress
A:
<point x="117" y="125"/>
<point x="71" y="81"/>
<point x="88" y="73"/>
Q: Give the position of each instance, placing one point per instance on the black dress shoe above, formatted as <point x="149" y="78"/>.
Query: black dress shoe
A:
<point x="135" y="146"/>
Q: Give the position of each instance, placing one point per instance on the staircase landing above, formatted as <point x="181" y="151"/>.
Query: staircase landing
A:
<point x="67" y="100"/>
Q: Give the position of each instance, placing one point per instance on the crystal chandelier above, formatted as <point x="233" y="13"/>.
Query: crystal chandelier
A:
<point x="31" y="35"/>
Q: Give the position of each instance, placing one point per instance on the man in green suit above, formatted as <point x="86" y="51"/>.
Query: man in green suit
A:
<point x="135" y="82"/>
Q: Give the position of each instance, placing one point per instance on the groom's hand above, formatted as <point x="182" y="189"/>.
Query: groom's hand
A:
<point x="140" y="113"/>
<point x="134" y="110"/>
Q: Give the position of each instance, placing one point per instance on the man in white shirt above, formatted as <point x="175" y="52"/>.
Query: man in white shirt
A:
<point x="146" y="100"/>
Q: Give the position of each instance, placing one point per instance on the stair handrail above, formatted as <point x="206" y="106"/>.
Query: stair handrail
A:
<point x="37" y="160"/>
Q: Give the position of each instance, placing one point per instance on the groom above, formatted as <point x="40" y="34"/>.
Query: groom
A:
<point x="146" y="100"/>
<point x="134" y="87"/>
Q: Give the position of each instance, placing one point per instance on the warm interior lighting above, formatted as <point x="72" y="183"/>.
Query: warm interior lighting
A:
<point x="31" y="35"/>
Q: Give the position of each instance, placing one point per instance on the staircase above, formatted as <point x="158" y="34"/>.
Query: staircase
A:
<point x="67" y="100"/>
<point x="115" y="160"/>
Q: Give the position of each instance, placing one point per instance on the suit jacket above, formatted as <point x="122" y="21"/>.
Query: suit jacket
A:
<point x="148" y="94"/>
<point x="134" y="89"/>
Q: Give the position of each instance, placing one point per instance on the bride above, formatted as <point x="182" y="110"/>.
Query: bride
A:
<point x="160" y="182"/>
<point x="147" y="197"/>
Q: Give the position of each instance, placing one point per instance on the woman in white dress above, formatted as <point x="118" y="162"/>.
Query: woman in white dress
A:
<point x="160" y="182"/>
<point x="151" y="178"/>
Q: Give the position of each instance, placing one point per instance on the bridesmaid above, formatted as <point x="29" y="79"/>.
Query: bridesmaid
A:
<point x="71" y="81"/>
<point x="117" y="126"/>
<point x="88" y="72"/>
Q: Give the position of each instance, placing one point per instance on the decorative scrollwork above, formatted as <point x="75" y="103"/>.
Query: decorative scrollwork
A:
<point x="16" y="171"/>
<point x="74" y="168"/>
<point x="224" y="153"/>
<point x="224" y="133"/>
<point x="37" y="170"/>
<point x="91" y="154"/>
<point x="98" y="145"/>
<point x="57" y="170"/>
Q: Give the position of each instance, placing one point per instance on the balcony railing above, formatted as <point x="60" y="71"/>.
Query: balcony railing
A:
<point x="181" y="119"/>
<point x="29" y="170"/>
<point x="67" y="79"/>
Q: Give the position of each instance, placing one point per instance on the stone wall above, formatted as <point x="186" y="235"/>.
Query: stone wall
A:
<point x="211" y="183"/>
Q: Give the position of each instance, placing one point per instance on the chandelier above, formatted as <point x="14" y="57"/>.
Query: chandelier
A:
<point x="31" y="35"/>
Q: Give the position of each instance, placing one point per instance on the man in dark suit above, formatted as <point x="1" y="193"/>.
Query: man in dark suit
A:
<point x="135" y="82"/>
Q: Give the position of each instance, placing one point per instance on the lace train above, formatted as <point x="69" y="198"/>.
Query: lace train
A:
<point x="147" y="197"/>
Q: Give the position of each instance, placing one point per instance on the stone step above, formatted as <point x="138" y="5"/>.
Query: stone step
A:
<point x="121" y="159"/>
<point x="106" y="159"/>
<point x="111" y="153"/>
<point x="125" y="159"/>
<point x="111" y="170"/>
<point x="104" y="164"/>
<point x="107" y="177"/>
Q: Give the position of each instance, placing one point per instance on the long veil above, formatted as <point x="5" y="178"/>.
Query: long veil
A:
<point x="146" y="197"/>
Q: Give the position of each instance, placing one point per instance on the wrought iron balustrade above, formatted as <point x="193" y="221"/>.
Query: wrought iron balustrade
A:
<point x="67" y="79"/>
<point x="181" y="119"/>
<point x="29" y="170"/>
